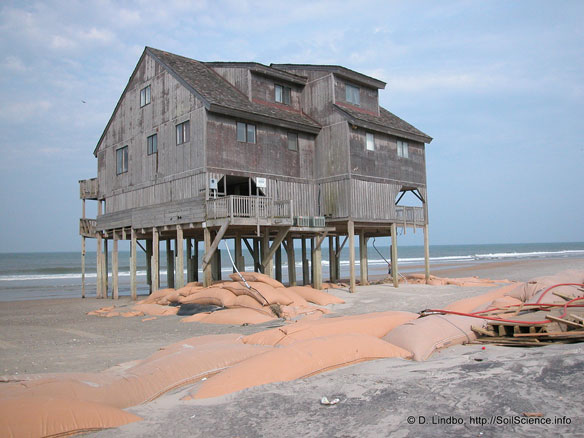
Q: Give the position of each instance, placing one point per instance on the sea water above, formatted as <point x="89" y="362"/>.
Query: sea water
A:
<point x="58" y="274"/>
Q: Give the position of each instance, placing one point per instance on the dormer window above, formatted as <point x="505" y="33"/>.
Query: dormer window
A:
<point x="282" y="94"/>
<point x="145" y="96"/>
<point x="352" y="94"/>
<point x="402" y="149"/>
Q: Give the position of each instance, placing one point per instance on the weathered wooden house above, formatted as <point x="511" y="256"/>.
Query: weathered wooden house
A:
<point x="205" y="151"/>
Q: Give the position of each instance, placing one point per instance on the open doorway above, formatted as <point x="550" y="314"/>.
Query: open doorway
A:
<point x="238" y="185"/>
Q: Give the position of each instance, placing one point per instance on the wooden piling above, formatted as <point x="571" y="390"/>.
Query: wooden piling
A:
<point x="279" y="263"/>
<point x="180" y="268"/>
<point x="115" y="285"/>
<point x="149" y="264"/>
<point x="338" y="258"/>
<point x="363" y="258"/>
<point x="216" y="265"/>
<point x="351" y="232"/>
<point x="105" y="270"/>
<point x="169" y="264"/>
<point x="426" y="254"/>
<point x="256" y="255"/>
<point x="332" y="264"/>
<point x="269" y="267"/>
<point x="189" y="261"/>
<point x="98" y="254"/>
<point x="394" y="267"/>
<point x="133" y="257"/>
<point x="195" y="261"/>
<point x="239" y="259"/>
<point x="317" y="266"/>
<point x="155" y="260"/>
<point x="305" y="273"/>
<point x="291" y="261"/>
<point x="83" y="266"/>
<point x="207" y="276"/>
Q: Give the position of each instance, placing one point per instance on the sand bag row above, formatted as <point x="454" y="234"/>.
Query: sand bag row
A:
<point x="376" y="324"/>
<point x="301" y="359"/>
<point x="472" y="304"/>
<point x="425" y="335"/>
<point x="49" y="416"/>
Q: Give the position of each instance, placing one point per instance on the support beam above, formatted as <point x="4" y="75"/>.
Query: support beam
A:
<point x="169" y="264"/>
<point x="394" y="267"/>
<point x="267" y="257"/>
<point x="105" y="268"/>
<point x="133" y="257"/>
<point x="351" y="233"/>
<point x="239" y="259"/>
<point x="155" y="261"/>
<point x="256" y="255"/>
<point x="338" y="257"/>
<point x="213" y="246"/>
<point x="149" y="265"/>
<point x="195" y="259"/>
<point x="363" y="258"/>
<point x="207" y="279"/>
<point x="305" y="273"/>
<point x="189" y="260"/>
<point x="317" y="268"/>
<point x="426" y="253"/>
<point x="291" y="261"/>
<point x="332" y="262"/>
<point x="266" y="265"/>
<point x="312" y="261"/>
<point x="216" y="265"/>
<point x="115" y="284"/>
<point x="83" y="266"/>
<point x="180" y="257"/>
<point x="279" y="263"/>
<point x="98" y="267"/>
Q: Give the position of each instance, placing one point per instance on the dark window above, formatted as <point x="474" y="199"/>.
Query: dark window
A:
<point x="292" y="141"/>
<point x="352" y="94"/>
<point x="246" y="132"/>
<point x="145" y="96"/>
<point x="282" y="94"/>
<point x="182" y="132"/>
<point x="152" y="144"/>
<point x="122" y="160"/>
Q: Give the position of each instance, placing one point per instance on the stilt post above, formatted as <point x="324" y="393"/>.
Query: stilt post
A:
<point x="207" y="278"/>
<point x="305" y="270"/>
<point x="155" y="260"/>
<point x="363" y="258"/>
<point x="426" y="254"/>
<point x="291" y="261"/>
<point x="115" y="285"/>
<point x="180" y="258"/>
<point x="133" y="257"/>
<point x="351" y="232"/>
<point x="394" y="267"/>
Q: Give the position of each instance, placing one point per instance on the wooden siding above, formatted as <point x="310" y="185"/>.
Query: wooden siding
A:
<point x="383" y="162"/>
<point x="373" y="200"/>
<point x="334" y="202"/>
<point x="303" y="195"/>
<point x="262" y="91"/>
<point x="332" y="151"/>
<point x="368" y="97"/>
<point x="239" y="77"/>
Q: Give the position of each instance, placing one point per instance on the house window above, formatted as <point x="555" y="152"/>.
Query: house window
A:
<point x="152" y="144"/>
<point x="145" y="96"/>
<point x="370" y="142"/>
<point x="402" y="149"/>
<point x="282" y="94"/>
<point x="246" y="132"/>
<point x="352" y="94"/>
<point x="292" y="141"/>
<point x="122" y="160"/>
<point x="182" y="132"/>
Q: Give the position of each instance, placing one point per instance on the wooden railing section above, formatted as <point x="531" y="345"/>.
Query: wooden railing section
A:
<point x="88" y="188"/>
<point x="235" y="206"/>
<point x="410" y="215"/>
<point x="87" y="227"/>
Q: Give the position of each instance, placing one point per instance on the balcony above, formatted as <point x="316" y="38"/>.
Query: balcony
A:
<point x="88" y="189"/>
<point x="87" y="227"/>
<point x="410" y="215"/>
<point x="253" y="207"/>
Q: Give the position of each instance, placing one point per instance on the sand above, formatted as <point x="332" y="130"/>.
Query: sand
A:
<point x="376" y="397"/>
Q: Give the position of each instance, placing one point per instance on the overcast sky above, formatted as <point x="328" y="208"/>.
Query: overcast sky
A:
<point x="497" y="84"/>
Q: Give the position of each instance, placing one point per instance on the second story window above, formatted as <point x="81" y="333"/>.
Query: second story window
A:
<point x="183" y="132"/>
<point x="292" y="141"/>
<point x="152" y="144"/>
<point x="145" y="96"/>
<point x="352" y="94"/>
<point x="370" y="142"/>
<point x="402" y="149"/>
<point x="122" y="160"/>
<point x="282" y="94"/>
<point x="246" y="132"/>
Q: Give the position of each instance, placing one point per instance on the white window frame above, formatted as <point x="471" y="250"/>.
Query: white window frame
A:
<point x="282" y="94"/>
<point x="183" y="132"/>
<point x="403" y="149"/>
<point x="122" y="160"/>
<point x="369" y="141"/>
<point x="246" y="132"/>
<point x="293" y="140"/>
<point x="145" y="96"/>
<point x="352" y="94"/>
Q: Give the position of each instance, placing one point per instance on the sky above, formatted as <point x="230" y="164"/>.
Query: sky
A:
<point x="499" y="85"/>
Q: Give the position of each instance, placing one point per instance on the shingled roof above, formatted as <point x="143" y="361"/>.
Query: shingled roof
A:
<point x="386" y="122"/>
<point x="220" y="96"/>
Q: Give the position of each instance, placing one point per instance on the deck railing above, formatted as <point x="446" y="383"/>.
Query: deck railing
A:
<point x="87" y="227"/>
<point x="88" y="188"/>
<point x="410" y="215"/>
<point x="234" y="206"/>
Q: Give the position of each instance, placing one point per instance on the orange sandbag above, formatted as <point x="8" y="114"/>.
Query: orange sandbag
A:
<point x="315" y="296"/>
<point x="273" y="295"/>
<point x="302" y="359"/>
<point x="297" y="299"/>
<point x="247" y="301"/>
<point x="505" y="301"/>
<point x="541" y="284"/>
<point x="468" y="305"/>
<point x="376" y="324"/>
<point x="211" y="295"/>
<point x="256" y="276"/>
<point x="238" y="316"/>
<point x="155" y="309"/>
<point x="239" y="288"/>
<point x="189" y="290"/>
<point x="425" y="335"/>
<point x="156" y="296"/>
<point x="47" y="416"/>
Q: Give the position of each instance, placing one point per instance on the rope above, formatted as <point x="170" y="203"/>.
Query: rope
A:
<point x="239" y="273"/>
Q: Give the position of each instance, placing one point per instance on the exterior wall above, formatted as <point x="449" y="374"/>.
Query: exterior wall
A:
<point x="269" y="156"/>
<point x="368" y="97"/>
<point x="262" y="91"/>
<point x="383" y="162"/>
<point x="239" y="77"/>
<point x="332" y="151"/>
<point x="171" y="103"/>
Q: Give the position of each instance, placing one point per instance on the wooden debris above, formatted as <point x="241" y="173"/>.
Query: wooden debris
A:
<point x="564" y="321"/>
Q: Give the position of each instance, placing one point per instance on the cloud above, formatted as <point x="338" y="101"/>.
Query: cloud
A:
<point x="23" y="111"/>
<point x="14" y="63"/>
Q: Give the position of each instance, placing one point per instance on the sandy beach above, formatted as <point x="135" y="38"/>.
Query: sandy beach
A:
<point x="376" y="398"/>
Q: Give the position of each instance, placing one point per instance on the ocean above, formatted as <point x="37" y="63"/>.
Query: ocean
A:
<point x="25" y="276"/>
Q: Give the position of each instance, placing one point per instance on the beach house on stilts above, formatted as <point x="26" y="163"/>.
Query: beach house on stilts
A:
<point x="199" y="152"/>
